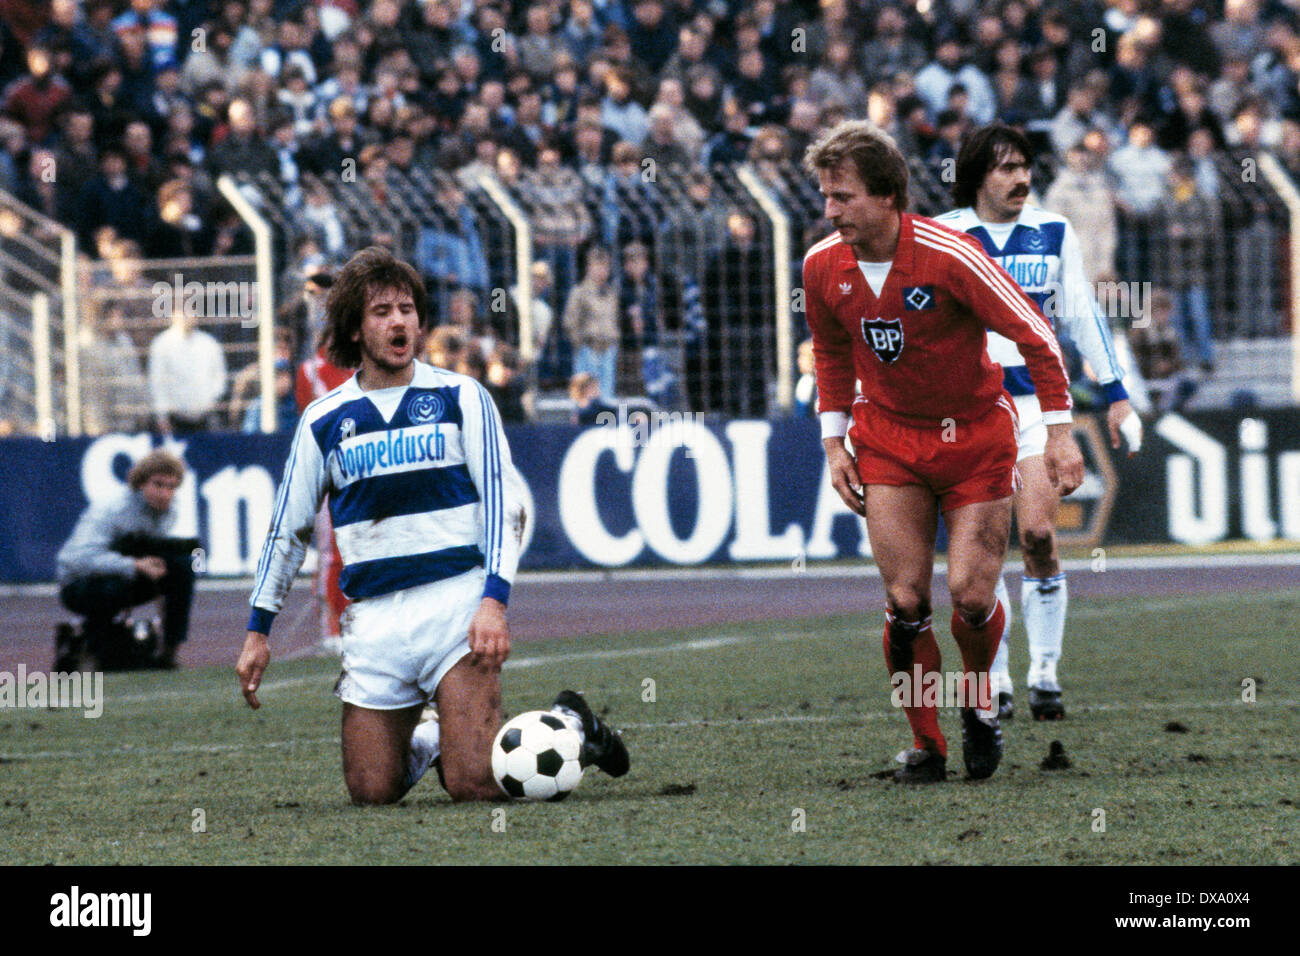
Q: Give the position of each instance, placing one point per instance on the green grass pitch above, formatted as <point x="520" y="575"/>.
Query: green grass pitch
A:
<point x="750" y="744"/>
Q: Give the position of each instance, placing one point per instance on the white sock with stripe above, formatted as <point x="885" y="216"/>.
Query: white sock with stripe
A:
<point x="424" y="750"/>
<point x="1000" y="670"/>
<point x="1043" y="601"/>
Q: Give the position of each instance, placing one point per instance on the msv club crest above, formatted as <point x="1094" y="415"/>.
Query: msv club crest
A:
<point x="427" y="408"/>
<point x="884" y="337"/>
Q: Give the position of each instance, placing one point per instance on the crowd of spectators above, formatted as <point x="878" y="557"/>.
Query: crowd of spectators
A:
<point x="120" y="116"/>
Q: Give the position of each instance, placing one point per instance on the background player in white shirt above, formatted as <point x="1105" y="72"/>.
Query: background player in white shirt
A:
<point x="427" y="509"/>
<point x="1041" y="252"/>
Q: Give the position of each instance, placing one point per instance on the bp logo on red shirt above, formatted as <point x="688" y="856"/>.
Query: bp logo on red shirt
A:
<point x="884" y="337"/>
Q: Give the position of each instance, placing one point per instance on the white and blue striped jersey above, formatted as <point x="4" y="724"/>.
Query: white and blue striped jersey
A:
<point x="421" y="487"/>
<point x="1042" y="254"/>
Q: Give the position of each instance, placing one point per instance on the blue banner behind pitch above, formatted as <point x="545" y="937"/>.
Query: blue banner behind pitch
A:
<point x="682" y="492"/>
<point x="679" y="491"/>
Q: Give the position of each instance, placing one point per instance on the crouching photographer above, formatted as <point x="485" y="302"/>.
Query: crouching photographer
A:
<point x="120" y="556"/>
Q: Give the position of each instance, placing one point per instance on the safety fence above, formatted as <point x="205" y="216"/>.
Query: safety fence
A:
<point x="705" y="269"/>
<point x="37" y="319"/>
<point x="169" y="342"/>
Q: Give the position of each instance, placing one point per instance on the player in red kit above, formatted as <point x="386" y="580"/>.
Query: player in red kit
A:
<point x="316" y="377"/>
<point x="900" y="304"/>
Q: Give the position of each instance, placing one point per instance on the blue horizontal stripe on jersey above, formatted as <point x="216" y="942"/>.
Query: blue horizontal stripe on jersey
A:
<point x="1016" y="380"/>
<point x="367" y="579"/>
<point x="405" y="493"/>
<point x="419" y="406"/>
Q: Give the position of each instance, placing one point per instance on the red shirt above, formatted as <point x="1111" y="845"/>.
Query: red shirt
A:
<point x="34" y="105"/>
<point x="919" y="349"/>
<point x="316" y="377"/>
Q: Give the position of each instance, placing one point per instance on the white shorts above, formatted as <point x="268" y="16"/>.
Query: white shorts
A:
<point x="1033" y="433"/>
<point x="397" y="647"/>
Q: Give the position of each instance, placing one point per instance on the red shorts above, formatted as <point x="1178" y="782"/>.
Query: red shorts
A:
<point x="963" y="463"/>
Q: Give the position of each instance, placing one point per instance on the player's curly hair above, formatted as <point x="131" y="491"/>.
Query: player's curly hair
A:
<point x="980" y="152"/>
<point x="873" y="152"/>
<point x="371" y="270"/>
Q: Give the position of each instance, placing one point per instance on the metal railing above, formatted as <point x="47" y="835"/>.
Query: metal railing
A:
<point x="1230" y="248"/>
<point x="127" y="304"/>
<point x="723" y="328"/>
<point x="724" y="246"/>
<point x="1289" y="195"/>
<point x="38" y="311"/>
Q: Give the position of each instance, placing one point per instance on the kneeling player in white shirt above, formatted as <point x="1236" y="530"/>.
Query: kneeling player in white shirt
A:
<point x="1041" y="252"/>
<point x="427" y="510"/>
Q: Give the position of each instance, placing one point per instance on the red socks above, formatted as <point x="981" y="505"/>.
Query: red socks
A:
<point x="978" y="646"/>
<point x="911" y="643"/>
<point x="924" y="721"/>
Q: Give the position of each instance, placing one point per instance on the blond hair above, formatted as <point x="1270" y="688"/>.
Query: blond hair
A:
<point x="873" y="153"/>
<point x="157" y="462"/>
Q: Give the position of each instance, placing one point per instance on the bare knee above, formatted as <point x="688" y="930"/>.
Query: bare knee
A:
<point x="469" y="705"/>
<point x="476" y="793"/>
<point x="973" y="606"/>
<point x="908" y="603"/>
<point x="367" y="789"/>
<point x="465" y="787"/>
<point x="971" y="598"/>
<point x="1038" y="541"/>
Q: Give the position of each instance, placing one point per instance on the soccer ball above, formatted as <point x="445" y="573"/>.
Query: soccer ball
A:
<point x="535" y="757"/>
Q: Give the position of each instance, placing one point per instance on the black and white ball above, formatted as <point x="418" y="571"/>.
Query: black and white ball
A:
<point x="535" y="757"/>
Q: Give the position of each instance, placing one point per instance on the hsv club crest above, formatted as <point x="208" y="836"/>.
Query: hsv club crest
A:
<point x="918" y="297"/>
